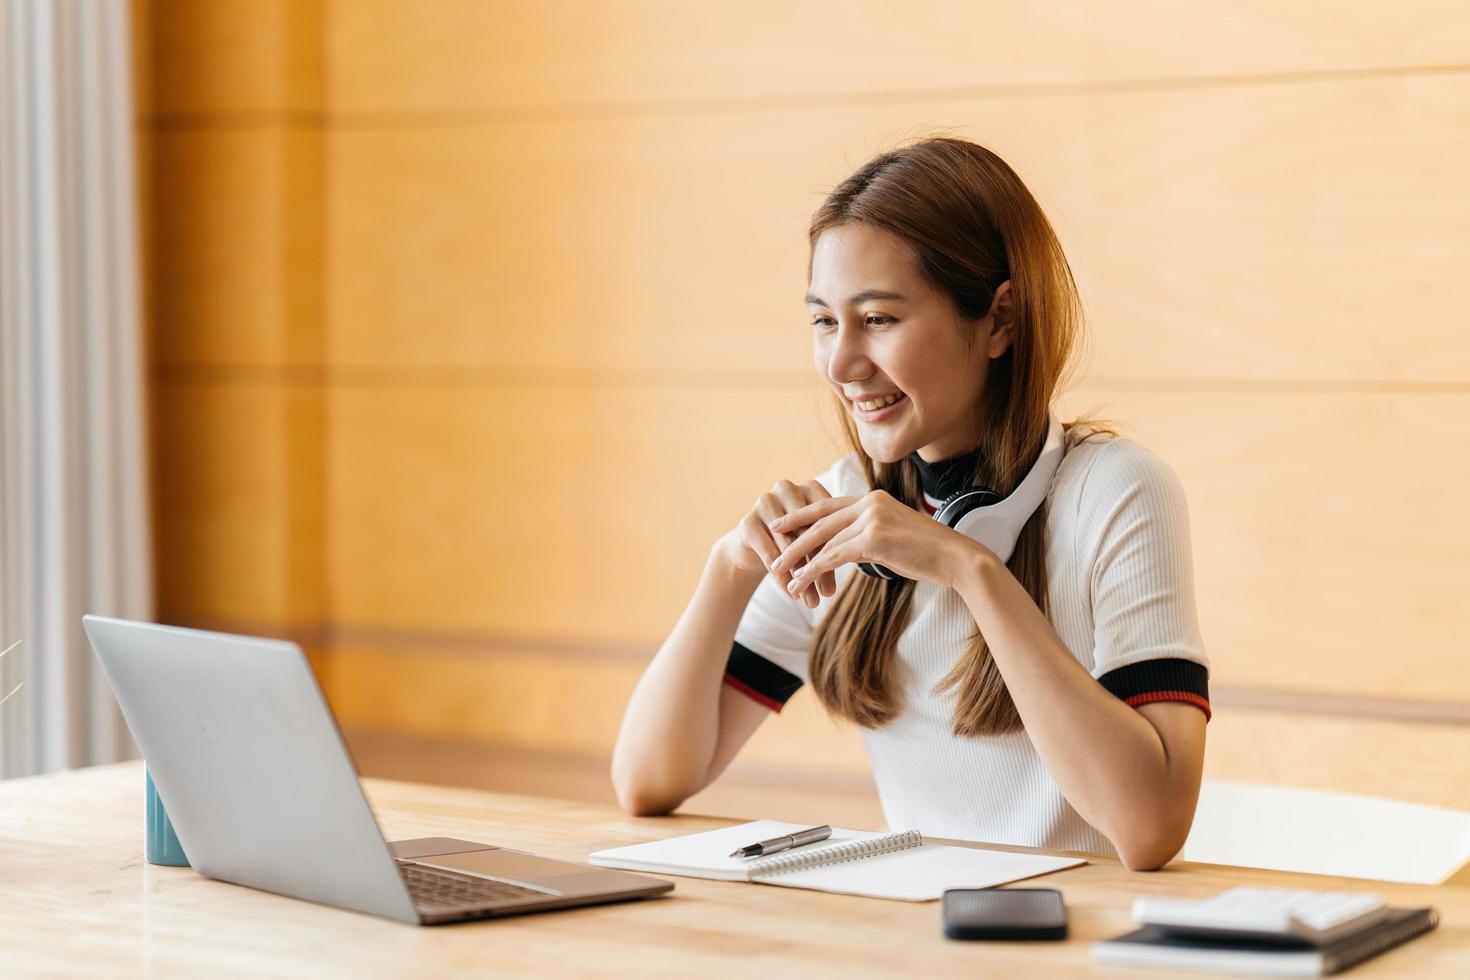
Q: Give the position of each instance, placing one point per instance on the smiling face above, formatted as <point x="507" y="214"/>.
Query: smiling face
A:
<point x="879" y="329"/>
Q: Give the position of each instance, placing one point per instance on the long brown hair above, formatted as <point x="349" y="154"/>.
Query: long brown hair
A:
<point x="972" y="225"/>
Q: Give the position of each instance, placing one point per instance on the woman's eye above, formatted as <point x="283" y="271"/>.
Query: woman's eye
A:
<point x="824" y="321"/>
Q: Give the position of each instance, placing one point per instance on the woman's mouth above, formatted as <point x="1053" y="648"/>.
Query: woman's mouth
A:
<point x="880" y="408"/>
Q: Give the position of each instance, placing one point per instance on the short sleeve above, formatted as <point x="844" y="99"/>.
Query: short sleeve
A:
<point x="768" y="660"/>
<point x="1147" y="645"/>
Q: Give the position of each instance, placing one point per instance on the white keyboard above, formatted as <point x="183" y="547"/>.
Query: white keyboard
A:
<point x="1265" y="913"/>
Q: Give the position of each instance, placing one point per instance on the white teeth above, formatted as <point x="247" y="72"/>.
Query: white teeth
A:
<point x="878" y="402"/>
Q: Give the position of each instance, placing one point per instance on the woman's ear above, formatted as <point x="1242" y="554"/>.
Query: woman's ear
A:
<point x="1003" y="321"/>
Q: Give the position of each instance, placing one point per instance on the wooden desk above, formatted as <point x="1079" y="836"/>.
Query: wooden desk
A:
<point x="78" y="898"/>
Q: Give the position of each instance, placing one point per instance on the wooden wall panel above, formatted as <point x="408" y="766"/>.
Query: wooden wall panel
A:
<point x="746" y="790"/>
<point x="1259" y="237"/>
<point x="560" y="701"/>
<point x="1323" y="752"/>
<point x="233" y="253"/>
<point x="552" y="245"/>
<point x="478" y="322"/>
<point x="236" y="57"/>
<point x="582" y="512"/>
<point x="1413" y="761"/>
<point x="387" y="56"/>
<point x="1308" y="576"/>
<point x="237" y="283"/>
<point x="240" y="492"/>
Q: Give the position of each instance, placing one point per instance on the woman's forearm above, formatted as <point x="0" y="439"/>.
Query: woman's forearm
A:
<point x="1108" y="760"/>
<point x="671" y="725"/>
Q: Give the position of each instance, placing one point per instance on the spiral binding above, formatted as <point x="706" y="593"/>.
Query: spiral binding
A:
<point x="835" y="854"/>
<point x="1402" y="932"/>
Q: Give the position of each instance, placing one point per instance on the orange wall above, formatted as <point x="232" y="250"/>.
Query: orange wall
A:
<point x="474" y="324"/>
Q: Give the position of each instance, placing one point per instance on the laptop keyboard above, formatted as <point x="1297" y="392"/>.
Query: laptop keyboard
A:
<point x="436" y="890"/>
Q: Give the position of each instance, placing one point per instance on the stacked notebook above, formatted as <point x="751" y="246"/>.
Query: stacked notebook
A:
<point x="853" y="862"/>
<point x="1264" y="931"/>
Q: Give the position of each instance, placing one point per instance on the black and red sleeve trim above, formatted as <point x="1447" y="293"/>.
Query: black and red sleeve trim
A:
<point x="759" y="679"/>
<point x="1165" y="679"/>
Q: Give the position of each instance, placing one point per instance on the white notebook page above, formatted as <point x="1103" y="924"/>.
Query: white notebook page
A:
<point x="913" y="874"/>
<point x="919" y="874"/>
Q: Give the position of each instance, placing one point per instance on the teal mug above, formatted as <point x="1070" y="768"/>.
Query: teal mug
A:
<point x="161" y="844"/>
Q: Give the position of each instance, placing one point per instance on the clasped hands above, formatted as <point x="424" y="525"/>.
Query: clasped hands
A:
<point x="873" y="527"/>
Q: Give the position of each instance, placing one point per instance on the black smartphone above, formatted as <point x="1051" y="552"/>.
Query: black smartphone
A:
<point x="1004" y="913"/>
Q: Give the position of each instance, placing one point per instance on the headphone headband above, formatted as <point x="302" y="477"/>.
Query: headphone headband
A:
<point x="997" y="526"/>
<point x="996" y="523"/>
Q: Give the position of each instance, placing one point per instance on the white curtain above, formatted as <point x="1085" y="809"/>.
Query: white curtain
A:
<point x="73" y="516"/>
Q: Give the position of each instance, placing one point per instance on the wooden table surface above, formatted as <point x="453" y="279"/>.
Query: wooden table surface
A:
<point x="80" y="900"/>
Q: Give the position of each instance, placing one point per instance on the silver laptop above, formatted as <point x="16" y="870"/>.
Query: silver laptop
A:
<point x="262" y="792"/>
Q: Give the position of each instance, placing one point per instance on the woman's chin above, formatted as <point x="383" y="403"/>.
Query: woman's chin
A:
<point x="884" y="450"/>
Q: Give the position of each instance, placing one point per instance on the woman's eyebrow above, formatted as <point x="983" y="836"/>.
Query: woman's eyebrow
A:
<point x="813" y="299"/>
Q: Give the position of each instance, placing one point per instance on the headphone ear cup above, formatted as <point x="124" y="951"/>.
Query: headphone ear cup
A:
<point x="961" y="502"/>
<point x="955" y="506"/>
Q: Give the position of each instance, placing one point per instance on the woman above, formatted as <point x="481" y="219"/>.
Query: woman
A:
<point x="1056" y="696"/>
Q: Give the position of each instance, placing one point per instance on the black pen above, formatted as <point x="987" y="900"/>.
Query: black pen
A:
<point x="809" y="836"/>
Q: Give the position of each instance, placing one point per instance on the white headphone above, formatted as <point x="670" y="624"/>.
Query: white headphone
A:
<point x="982" y="514"/>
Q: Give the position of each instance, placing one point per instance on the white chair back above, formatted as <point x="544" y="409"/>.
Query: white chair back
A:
<point x="1289" y="829"/>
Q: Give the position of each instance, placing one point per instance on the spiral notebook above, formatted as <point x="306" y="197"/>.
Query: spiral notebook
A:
<point x="852" y="862"/>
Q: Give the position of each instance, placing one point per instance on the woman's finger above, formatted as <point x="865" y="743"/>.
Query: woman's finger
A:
<point x="789" y="497"/>
<point x="822" y="503"/>
<point x="836" y="552"/>
<point x="815" y="493"/>
<point x="812" y="539"/>
<point x="757" y="538"/>
<point x="809" y="514"/>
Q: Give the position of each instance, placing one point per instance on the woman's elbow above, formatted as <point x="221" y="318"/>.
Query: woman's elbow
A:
<point x="1151" y="850"/>
<point x="639" y="798"/>
<point x="639" y="802"/>
<point x="1145" y="860"/>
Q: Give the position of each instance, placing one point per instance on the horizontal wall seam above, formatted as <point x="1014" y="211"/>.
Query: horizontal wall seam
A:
<point x="339" y="641"/>
<point x="365" y="119"/>
<point x="583" y="762"/>
<point x="1343" y="705"/>
<point x="488" y="376"/>
<point x="370" y="376"/>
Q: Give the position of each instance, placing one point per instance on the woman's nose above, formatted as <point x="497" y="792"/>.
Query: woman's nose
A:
<point x="847" y="360"/>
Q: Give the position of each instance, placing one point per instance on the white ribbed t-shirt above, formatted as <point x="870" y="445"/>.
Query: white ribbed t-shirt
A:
<point x="1121" y="590"/>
